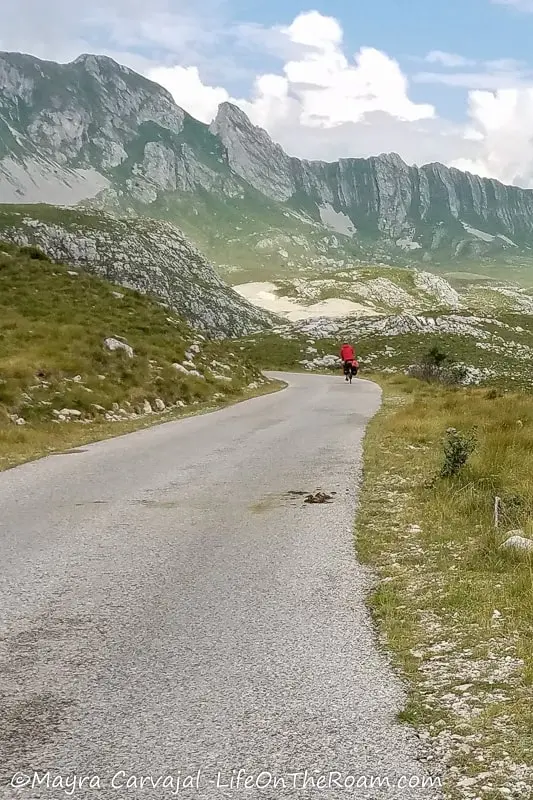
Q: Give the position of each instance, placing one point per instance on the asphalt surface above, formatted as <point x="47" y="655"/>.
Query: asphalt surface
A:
<point x="169" y="610"/>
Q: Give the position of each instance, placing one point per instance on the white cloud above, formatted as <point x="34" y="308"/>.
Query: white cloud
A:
<point x="322" y="88"/>
<point x="490" y="80"/>
<point x="520" y="5"/>
<point x="131" y="29"/>
<point x="190" y="93"/>
<point x="332" y="90"/>
<point x="448" y="59"/>
<point x="323" y="105"/>
<point x="504" y="121"/>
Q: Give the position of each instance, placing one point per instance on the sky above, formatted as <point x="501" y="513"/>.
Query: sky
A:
<point x="449" y="81"/>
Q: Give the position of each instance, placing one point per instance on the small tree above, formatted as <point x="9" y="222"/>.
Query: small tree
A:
<point x="437" y="365"/>
<point x="458" y="447"/>
<point x="436" y="357"/>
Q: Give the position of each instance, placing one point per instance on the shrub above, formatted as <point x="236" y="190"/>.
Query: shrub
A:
<point x="458" y="447"/>
<point x="436" y="365"/>
<point x="33" y="252"/>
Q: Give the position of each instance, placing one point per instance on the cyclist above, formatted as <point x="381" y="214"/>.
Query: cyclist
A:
<point x="347" y="355"/>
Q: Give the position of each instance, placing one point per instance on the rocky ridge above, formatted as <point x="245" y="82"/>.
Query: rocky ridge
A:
<point x="95" y="130"/>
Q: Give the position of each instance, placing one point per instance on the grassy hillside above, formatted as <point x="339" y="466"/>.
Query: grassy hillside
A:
<point x="455" y="608"/>
<point x="151" y="256"/>
<point x="57" y="376"/>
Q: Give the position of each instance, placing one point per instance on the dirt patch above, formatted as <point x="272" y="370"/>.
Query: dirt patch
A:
<point x="319" y="497"/>
<point x="291" y="497"/>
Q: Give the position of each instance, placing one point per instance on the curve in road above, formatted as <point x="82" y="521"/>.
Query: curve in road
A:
<point x="172" y="607"/>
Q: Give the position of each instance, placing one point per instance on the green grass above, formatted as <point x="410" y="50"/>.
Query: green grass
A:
<point x="442" y="574"/>
<point x="52" y="356"/>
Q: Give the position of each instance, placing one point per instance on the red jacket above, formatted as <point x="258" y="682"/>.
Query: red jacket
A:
<point x="347" y="352"/>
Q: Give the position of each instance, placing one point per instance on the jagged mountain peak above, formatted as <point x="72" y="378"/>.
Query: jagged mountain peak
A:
<point x="232" y="121"/>
<point x="391" y="159"/>
<point x="95" y="58"/>
<point x="229" y="112"/>
<point x="69" y="131"/>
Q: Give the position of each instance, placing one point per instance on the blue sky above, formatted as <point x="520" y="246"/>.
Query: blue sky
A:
<point x="408" y="29"/>
<point x="450" y="81"/>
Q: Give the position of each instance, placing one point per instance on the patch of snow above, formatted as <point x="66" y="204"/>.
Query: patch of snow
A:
<point x="486" y="237"/>
<point x="263" y="295"/>
<point x="336" y="220"/>
<point x="43" y="181"/>
<point x="407" y="244"/>
<point x="507" y="240"/>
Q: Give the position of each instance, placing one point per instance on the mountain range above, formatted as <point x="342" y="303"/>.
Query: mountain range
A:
<point x="96" y="134"/>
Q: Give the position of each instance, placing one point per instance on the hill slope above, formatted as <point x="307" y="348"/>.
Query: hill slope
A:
<point x="148" y="255"/>
<point x="97" y="131"/>
<point x="77" y="349"/>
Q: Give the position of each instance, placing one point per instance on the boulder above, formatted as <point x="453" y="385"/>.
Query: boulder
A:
<point x="112" y="344"/>
<point x="181" y="368"/>
<point x="517" y="541"/>
<point x="69" y="412"/>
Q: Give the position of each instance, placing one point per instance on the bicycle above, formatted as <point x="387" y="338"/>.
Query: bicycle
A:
<point x="351" y="368"/>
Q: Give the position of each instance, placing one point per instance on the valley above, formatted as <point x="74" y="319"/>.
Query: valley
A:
<point x="154" y="268"/>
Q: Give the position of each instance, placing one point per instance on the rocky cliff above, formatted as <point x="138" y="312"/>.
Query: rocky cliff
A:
<point x="382" y="193"/>
<point x="97" y="132"/>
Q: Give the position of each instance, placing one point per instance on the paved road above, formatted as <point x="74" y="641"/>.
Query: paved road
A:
<point x="168" y="608"/>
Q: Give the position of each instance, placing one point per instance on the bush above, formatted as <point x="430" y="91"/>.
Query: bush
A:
<point x="33" y="252"/>
<point x="458" y="447"/>
<point x="436" y="365"/>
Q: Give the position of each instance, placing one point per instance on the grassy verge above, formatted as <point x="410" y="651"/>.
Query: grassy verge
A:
<point x="30" y="443"/>
<point x="455" y="610"/>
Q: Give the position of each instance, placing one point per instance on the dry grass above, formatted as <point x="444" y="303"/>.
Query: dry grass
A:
<point x="443" y="576"/>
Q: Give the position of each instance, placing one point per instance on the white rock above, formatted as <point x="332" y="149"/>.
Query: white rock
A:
<point x="160" y="406"/>
<point x="517" y="541"/>
<point x="181" y="368"/>
<point x="147" y="408"/>
<point x="115" y="344"/>
<point x="326" y="362"/>
<point x="194" y="348"/>
<point x="220" y="365"/>
<point x="70" y="412"/>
